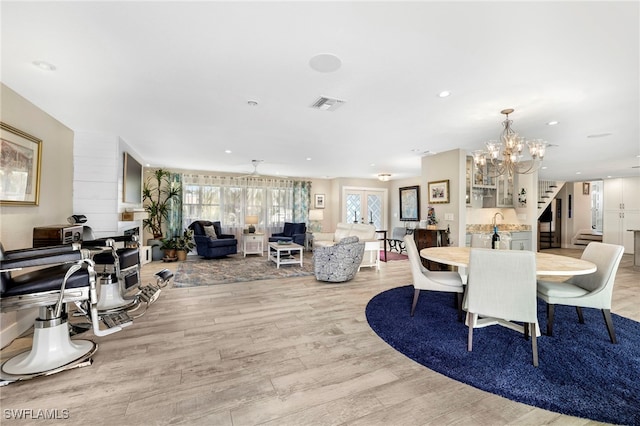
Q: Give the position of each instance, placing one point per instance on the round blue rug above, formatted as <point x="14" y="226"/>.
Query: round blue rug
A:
<point x="581" y="373"/>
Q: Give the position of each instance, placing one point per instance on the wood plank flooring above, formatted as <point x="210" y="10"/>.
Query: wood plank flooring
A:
<point x="275" y="352"/>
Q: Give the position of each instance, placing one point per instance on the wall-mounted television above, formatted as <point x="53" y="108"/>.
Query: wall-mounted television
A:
<point x="132" y="180"/>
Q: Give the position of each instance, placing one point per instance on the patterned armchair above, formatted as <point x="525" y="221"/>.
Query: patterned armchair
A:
<point x="340" y="262"/>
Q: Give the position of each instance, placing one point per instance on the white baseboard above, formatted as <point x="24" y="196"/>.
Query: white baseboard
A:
<point x="17" y="325"/>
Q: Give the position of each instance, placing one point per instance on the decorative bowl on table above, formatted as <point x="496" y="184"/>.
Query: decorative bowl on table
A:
<point x="283" y="243"/>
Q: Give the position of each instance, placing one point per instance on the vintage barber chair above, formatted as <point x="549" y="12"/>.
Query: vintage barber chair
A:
<point x="118" y="270"/>
<point x="57" y="275"/>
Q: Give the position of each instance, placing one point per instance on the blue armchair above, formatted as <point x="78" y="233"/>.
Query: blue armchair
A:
<point x="214" y="244"/>
<point x="295" y="232"/>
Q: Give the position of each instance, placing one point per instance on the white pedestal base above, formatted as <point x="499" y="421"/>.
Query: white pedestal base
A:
<point x="52" y="349"/>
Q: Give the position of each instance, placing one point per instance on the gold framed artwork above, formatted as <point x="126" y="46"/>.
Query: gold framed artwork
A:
<point x="20" y="165"/>
<point x="586" y="188"/>
<point x="438" y="192"/>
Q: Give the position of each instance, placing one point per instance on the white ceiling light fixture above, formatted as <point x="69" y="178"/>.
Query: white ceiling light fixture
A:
<point x="325" y="62"/>
<point x="506" y="157"/>
<point x="552" y="123"/>
<point x="384" y="177"/>
<point x="327" y="104"/>
<point x="45" y="66"/>
<point x="444" y="94"/>
<point x="599" y="135"/>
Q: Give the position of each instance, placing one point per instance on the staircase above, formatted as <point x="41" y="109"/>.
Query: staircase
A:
<point x="547" y="190"/>
<point x="585" y="236"/>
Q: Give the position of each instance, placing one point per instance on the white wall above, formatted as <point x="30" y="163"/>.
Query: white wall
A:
<point x="98" y="182"/>
<point x="446" y="165"/>
<point x="56" y="186"/>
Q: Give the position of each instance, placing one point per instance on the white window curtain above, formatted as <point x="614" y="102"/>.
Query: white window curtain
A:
<point x="231" y="199"/>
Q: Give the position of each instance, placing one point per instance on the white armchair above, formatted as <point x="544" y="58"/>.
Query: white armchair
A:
<point x="424" y="279"/>
<point x="586" y="291"/>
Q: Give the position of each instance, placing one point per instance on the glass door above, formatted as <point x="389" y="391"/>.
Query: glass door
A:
<point x="364" y="206"/>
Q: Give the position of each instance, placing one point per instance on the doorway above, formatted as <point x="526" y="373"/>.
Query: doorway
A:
<point x="365" y="205"/>
<point x="550" y="226"/>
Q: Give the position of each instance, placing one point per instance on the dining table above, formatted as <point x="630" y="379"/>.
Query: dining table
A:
<point x="547" y="264"/>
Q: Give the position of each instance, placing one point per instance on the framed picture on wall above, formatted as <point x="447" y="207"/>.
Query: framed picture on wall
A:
<point x="439" y="192"/>
<point x="319" y="201"/>
<point x="586" y="188"/>
<point x="20" y="165"/>
<point x="410" y="203"/>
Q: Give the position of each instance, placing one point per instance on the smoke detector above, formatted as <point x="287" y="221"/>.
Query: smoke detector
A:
<point x="327" y="104"/>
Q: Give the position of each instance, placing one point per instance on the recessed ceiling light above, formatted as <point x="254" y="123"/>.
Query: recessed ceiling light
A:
<point x="544" y="167"/>
<point x="372" y="164"/>
<point x="46" y="66"/>
<point x="444" y="94"/>
<point x="578" y="173"/>
<point x="325" y="62"/>
<point x="308" y="158"/>
<point x="227" y="151"/>
<point x="552" y="123"/>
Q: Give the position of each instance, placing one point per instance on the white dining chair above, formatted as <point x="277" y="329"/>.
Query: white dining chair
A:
<point x="586" y="291"/>
<point x="424" y="279"/>
<point x="502" y="286"/>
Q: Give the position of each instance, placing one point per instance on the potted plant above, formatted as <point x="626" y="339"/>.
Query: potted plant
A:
<point x="184" y="244"/>
<point x="169" y="247"/>
<point x="158" y="194"/>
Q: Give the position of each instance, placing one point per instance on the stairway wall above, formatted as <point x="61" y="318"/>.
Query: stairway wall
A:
<point x="580" y="212"/>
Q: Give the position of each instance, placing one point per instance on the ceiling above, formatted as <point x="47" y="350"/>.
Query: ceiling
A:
<point x="173" y="80"/>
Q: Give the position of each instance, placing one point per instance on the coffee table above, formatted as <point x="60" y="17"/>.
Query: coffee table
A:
<point x="285" y="254"/>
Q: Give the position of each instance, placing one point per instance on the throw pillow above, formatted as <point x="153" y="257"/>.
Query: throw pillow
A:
<point x="210" y="232"/>
<point x="348" y="240"/>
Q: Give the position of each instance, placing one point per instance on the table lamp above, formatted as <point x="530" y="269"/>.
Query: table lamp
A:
<point x="251" y="220"/>
<point x="315" y="218"/>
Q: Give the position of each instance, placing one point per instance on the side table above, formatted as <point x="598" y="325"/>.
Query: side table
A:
<point x="253" y="244"/>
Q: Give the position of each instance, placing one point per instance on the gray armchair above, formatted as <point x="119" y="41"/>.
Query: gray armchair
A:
<point x="339" y="262"/>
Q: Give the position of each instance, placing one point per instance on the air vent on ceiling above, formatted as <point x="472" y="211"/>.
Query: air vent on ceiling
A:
<point x="327" y="104"/>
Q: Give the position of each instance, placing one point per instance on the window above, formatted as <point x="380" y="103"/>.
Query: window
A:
<point x="229" y="200"/>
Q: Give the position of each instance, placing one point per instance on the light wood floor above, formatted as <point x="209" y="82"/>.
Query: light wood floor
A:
<point x="281" y="352"/>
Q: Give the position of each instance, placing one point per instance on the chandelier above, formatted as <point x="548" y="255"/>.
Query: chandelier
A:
<point x="506" y="157"/>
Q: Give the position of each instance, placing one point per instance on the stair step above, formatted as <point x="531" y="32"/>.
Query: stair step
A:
<point x="553" y="186"/>
<point x="545" y="196"/>
<point x="583" y="242"/>
<point x="590" y="237"/>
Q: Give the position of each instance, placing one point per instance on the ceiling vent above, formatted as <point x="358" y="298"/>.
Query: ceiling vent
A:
<point x="327" y="104"/>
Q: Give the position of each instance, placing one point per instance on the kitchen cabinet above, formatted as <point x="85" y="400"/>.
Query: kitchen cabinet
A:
<point x="485" y="190"/>
<point x="621" y="211"/>
<point x="521" y="240"/>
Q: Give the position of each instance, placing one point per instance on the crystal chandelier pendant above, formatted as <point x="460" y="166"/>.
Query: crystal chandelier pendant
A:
<point x="506" y="155"/>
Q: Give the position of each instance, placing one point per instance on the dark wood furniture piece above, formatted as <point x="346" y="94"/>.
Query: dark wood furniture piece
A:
<point x="431" y="238"/>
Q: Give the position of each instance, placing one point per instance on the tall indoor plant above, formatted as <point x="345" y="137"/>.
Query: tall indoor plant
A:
<point x="157" y="195"/>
